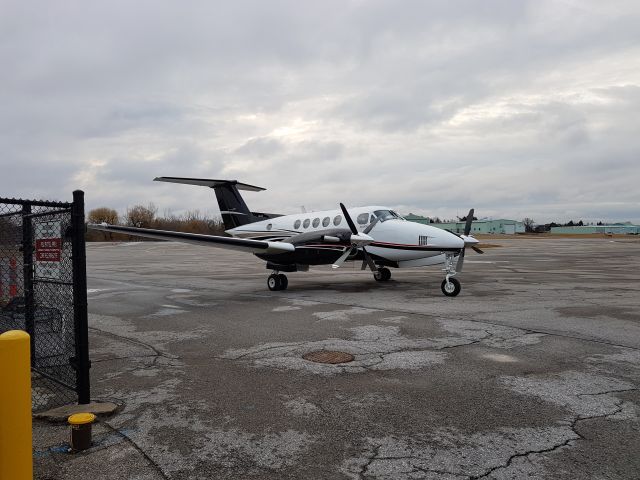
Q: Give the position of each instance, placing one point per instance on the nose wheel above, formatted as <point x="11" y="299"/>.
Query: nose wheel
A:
<point x="277" y="281"/>
<point x="450" y="288"/>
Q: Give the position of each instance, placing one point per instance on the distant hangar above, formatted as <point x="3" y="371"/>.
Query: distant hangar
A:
<point x="616" y="228"/>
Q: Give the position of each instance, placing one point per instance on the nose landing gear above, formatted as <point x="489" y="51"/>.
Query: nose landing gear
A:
<point x="277" y="281"/>
<point x="450" y="286"/>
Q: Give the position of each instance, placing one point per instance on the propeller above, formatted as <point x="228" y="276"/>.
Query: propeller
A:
<point x="468" y="240"/>
<point x="357" y="239"/>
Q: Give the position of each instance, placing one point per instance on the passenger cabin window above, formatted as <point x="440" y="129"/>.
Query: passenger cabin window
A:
<point x="306" y="223"/>
<point x="297" y="224"/>
<point x="326" y="221"/>
<point x="336" y="220"/>
<point x="316" y="222"/>
<point x="362" y="218"/>
<point x="269" y="226"/>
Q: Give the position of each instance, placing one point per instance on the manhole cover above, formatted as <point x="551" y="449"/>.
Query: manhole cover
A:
<point x="325" y="356"/>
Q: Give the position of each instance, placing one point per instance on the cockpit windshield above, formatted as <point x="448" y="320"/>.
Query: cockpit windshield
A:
<point x="384" y="215"/>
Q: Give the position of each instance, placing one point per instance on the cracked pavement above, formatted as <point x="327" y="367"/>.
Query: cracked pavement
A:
<point x="532" y="372"/>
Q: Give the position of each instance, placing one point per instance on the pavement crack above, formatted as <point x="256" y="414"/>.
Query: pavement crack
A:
<point x="113" y="359"/>
<point x="618" y="409"/>
<point x="137" y="447"/>
<point x="265" y="349"/>
<point x="607" y="392"/>
<point x="158" y="353"/>
<point x="573" y="426"/>
<point x="445" y="347"/>
<point x="553" y="448"/>
<point x="372" y="458"/>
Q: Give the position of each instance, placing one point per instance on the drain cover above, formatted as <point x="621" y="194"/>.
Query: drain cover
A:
<point x="325" y="356"/>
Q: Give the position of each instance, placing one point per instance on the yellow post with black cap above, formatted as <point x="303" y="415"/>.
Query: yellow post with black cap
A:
<point x="16" y="461"/>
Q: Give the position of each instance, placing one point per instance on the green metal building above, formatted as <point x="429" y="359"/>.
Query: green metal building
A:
<point x="617" y="228"/>
<point x="499" y="226"/>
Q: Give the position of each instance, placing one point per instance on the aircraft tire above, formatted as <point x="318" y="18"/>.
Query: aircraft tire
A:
<point x="382" y="274"/>
<point x="451" y="290"/>
<point x="386" y="274"/>
<point x="284" y="281"/>
<point x="274" y="282"/>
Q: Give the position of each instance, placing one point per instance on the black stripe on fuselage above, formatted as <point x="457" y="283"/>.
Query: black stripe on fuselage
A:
<point x="418" y="248"/>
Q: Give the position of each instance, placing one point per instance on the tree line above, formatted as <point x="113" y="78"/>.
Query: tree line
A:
<point x="141" y="216"/>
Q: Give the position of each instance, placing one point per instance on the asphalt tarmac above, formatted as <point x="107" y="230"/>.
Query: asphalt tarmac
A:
<point x="531" y="372"/>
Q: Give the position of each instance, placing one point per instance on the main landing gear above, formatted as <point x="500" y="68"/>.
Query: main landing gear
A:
<point x="382" y="274"/>
<point x="277" y="281"/>
<point x="450" y="286"/>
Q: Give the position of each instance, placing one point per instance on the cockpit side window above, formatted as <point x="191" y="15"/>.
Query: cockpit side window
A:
<point x="385" y="215"/>
<point x="363" y="218"/>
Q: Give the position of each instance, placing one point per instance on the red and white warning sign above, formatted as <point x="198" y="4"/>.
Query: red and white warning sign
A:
<point x="48" y="252"/>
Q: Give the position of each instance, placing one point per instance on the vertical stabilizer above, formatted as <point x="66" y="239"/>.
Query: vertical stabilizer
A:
<point x="233" y="208"/>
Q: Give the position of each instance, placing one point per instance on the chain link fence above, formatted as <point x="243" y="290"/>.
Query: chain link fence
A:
<point x="43" y="291"/>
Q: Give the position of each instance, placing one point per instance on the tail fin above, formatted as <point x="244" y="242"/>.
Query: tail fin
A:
<point x="232" y="206"/>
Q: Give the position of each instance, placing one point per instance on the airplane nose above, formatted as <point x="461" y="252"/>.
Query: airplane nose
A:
<point x="455" y="241"/>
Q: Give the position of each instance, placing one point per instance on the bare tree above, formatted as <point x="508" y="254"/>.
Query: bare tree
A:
<point x="141" y="216"/>
<point x="103" y="215"/>
<point x="529" y="224"/>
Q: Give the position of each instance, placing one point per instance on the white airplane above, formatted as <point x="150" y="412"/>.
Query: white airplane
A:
<point x="379" y="237"/>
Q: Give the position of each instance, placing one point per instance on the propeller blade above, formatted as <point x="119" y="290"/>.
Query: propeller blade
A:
<point x="369" y="261"/>
<point x="476" y="249"/>
<point x="467" y="226"/>
<point x="371" y="225"/>
<point x="342" y="258"/>
<point x="347" y="217"/>
<point x="460" y="261"/>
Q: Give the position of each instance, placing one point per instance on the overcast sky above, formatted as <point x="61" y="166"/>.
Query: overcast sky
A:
<point x="514" y="108"/>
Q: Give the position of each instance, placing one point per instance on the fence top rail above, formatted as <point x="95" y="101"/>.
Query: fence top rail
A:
<point x="37" y="203"/>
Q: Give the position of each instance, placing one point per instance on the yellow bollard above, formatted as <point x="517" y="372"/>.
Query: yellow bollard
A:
<point x="16" y="461"/>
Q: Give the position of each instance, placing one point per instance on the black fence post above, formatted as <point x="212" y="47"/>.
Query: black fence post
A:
<point x="81" y="320"/>
<point x="27" y="278"/>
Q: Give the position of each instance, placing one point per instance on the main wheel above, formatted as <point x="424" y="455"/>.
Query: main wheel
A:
<point x="386" y="274"/>
<point x="274" y="282"/>
<point x="452" y="288"/>
<point x="284" y="282"/>
<point x="382" y="274"/>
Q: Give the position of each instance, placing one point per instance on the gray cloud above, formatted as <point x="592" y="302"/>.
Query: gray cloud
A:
<point x="515" y="108"/>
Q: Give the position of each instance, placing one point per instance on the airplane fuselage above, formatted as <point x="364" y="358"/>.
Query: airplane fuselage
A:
<point x="398" y="243"/>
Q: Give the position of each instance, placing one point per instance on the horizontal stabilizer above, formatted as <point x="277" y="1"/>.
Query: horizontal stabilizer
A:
<point x="209" y="182"/>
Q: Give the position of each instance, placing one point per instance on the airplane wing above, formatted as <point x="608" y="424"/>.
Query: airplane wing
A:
<point x="242" y="244"/>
